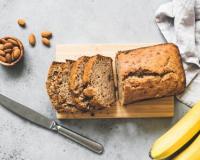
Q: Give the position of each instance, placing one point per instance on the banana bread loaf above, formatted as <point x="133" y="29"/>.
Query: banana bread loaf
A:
<point x="58" y="87"/>
<point x="149" y="72"/>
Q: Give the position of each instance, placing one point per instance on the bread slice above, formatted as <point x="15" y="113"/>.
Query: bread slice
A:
<point x="98" y="80"/>
<point x="149" y="72"/>
<point x="57" y="85"/>
<point x="76" y="83"/>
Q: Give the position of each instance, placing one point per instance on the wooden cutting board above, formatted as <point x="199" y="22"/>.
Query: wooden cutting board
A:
<point x="161" y="107"/>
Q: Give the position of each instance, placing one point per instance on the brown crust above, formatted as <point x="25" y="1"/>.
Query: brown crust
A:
<point x="147" y="67"/>
<point x="88" y="69"/>
<point x="77" y="86"/>
<point x="73" y="75"/>
<point x="82" y="101"/>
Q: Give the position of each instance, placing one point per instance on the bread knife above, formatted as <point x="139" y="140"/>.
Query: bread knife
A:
<point x="47" y="123"/>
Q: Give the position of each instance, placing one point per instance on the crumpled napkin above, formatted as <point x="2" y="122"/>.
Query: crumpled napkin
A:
<point x="179" y="22"/>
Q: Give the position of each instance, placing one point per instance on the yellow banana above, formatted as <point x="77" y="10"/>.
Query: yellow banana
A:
<point x="178" y="135"/>
<point x="192" y="152"/>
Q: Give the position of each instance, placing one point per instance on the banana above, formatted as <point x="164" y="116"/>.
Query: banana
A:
<point x="178" y="135"/>
<point x="192" y="152"/>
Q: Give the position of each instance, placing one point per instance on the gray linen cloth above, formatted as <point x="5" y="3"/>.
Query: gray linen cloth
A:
<point x="179" y="22"/>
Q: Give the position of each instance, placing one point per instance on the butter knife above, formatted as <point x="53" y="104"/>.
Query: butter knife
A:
<point x="47" y="123"/>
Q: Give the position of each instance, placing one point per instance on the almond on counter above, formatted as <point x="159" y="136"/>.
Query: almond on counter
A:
<point x="32" y="39"/>
<point x="46" y="34"/>
<point x="46" y="42"/>
<point x="21" y="22"/>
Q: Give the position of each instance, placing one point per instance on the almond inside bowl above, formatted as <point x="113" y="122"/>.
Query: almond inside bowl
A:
<point x="11" y="51"/>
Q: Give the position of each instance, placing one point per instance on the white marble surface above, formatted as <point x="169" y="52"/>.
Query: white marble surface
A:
<point x="78" y="21"/>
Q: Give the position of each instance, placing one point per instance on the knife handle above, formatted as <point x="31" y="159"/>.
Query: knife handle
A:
<point x="84" y="141"/>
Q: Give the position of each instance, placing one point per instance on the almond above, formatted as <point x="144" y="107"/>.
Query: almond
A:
<point x="3" y="41"/>
<point x="2" y="59"/>
<point x="8" y="58"/>
<point x="16" y="53"/>
<point x="32" y="39"/>
<point x="8" y="50"/>
<point x="13" y="42"/>
<point x="46" y="34"/>
<point x="1" y="47"/>
<point x="45" y="41"/>
<point x="8" y="45"/>
<point x="2" y="53"/>
<point x="21" y="22"/>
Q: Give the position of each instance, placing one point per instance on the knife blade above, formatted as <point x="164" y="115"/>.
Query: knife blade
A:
<point x="47" y="123"/>
<point x="25" y="112"/>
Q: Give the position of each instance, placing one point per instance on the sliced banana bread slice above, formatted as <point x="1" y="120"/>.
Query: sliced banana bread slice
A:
<point x="76" y="83"/>
<point x="99" y="83"/>
<point x="57" y="85"/>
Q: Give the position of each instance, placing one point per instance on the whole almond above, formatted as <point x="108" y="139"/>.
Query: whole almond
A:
<point x="2" y="53"/>
<point x="3" y="41"/>
<point x="8" y="58"/>
<point x="32" y="39"/>
<point x="46" y="34"/>
<point x="1" y="47"/>
<point x="45" y="41"/>
<point x="13" y="42"/>
<point x="8" y="45"/>
<point x="16" y="53"/>
<point x="8" y="50"/>
<point x="2" y="59"/>
<point x="21" y="22"/>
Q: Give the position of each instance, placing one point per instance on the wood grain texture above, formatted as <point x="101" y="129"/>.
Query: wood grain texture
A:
<point x="160" y="107"/>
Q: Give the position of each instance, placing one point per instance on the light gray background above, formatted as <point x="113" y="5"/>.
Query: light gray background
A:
<point x="75" y="21"/>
